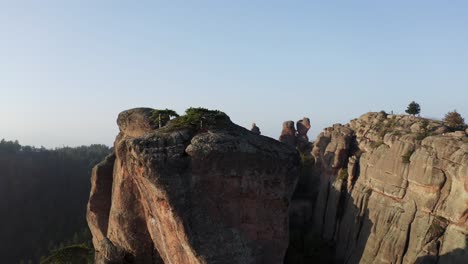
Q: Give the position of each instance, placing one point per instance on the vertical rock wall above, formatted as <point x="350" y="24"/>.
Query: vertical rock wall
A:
<point x="391" y="189"/>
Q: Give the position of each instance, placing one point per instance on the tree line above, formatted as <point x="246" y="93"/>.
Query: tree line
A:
<point x="43" y="196"/>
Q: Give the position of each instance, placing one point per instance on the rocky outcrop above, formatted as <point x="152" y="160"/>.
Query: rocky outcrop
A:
<point x="390" y="189"/>
<point x="255" y="129"/>
<point x="296" y="137"/>
<point x="303" y="127"/>
<point x="380" y="189"/>
<point x="136" y="122"/>
<point x="288" y="133"/>
<point x="198" y="190"/>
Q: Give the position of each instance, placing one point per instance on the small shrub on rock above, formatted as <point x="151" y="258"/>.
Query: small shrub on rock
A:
<point x="406" y="158"/>
<point x="343" y="174"/>
<point x="201" y="118"/>
<point x="454" y="120"/>
<point x="161" y="117"/>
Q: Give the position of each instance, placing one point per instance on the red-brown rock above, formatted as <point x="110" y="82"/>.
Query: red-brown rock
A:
<point x="185" y="195"/>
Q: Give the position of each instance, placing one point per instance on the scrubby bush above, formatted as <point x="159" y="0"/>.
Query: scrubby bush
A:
<point x="76" y="254"/>
<point x="376" y="144"/>
<point x="343" y="174"/>
<point x="161" y="117"/>
<point x="421" y="135"/>
<point x="454" y="120"/>
<point x="201" y="118"/>
<point x="406" y="158"/>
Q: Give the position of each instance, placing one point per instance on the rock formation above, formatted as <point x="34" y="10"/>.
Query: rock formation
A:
<point x="381" y="189"/>
<point x="386" y="189"/>
<point x="302" y="142"/>
<point x="255" y="129"/>
<point x="288" y="133"/>
<point x="303" y="127"/>
<point x="198" y="190"/>
<point x="297" y="138"/>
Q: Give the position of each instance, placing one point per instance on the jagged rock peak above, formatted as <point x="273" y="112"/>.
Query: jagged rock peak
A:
<point x="200" y="189"/>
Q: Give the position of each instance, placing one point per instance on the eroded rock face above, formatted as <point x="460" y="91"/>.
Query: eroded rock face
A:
<point x="190" y="194"/>
<point x="392" y="189"/>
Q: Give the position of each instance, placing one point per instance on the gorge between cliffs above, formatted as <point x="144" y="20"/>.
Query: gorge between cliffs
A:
<point x="199" y="189"/>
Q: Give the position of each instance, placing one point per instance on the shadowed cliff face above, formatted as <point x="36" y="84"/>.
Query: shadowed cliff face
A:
<point x="386" y="189"/>
<point x="198" y="190"/>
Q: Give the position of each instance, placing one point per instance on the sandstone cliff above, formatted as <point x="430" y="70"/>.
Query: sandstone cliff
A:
<point x="380" y="189"/>
<point x="384" y="189"/>
<point x="198" y="190"/>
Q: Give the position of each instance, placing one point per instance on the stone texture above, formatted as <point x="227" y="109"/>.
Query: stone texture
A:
<point x="392" y="189"/>
<point x="136" y="122"/>
<point x="186" y="195"/>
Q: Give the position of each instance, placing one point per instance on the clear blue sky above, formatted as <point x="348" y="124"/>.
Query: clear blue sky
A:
<point x="67" y="68"/>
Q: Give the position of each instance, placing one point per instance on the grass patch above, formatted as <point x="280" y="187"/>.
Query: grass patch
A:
<point x="425" y="124"/>
<point x="421" y="135"/>
<point x="406" y="158"/>
<point x="382" y="132"/>
<point x="376" y="144"/>
<point x="75" y="254"/>
<point x="343" y="174"/>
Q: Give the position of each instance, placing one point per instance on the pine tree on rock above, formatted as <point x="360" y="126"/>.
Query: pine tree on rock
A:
<point x="413" y="108"/>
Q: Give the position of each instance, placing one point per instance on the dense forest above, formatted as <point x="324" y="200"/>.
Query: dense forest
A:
<point x="43" y="196"/>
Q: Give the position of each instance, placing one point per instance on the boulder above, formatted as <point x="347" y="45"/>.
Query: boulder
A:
<point x="303" y="126"/>
<point x="255" y="129"/>
<point x="136" y="122"/>
<point x="288" y="134"/>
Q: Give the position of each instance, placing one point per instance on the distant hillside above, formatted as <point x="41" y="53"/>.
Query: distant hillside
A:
<point x="43" y="195"/>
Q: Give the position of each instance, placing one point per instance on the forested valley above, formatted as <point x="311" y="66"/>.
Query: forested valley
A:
<point x="43" y="196"/>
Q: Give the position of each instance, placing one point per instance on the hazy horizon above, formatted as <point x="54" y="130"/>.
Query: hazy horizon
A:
<point x="68" y="68"/>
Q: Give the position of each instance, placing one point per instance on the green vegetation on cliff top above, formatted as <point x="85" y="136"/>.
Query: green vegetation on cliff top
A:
<point x="199" y="118"/>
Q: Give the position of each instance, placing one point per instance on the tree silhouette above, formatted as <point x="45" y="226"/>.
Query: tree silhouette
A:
<point x="413" y="108"/>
